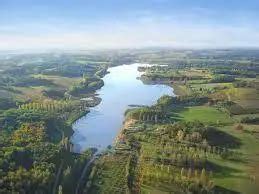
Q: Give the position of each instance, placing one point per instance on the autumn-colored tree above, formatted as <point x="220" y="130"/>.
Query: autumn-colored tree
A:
<point x="29" y="133"/>
<point x="239" y="127"/>
<point x="180" y="135"/>
<point x="203" y="177"/>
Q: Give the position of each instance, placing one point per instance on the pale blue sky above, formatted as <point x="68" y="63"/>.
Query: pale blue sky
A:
<point x="77" y="24"/>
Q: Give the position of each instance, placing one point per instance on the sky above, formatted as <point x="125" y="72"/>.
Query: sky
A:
<point x="93" y="24"/>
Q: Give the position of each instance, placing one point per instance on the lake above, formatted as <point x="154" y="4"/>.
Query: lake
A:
<point x="121" y="88"/>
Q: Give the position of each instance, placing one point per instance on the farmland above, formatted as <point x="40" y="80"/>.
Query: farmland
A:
<point x="204" y="139"/>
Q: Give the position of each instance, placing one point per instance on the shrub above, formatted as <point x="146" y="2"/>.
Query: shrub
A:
<point x="239" y="127"/>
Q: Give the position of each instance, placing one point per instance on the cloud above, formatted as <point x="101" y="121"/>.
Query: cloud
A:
<point x="148" y="29"/>
<point x="137" y="37"/>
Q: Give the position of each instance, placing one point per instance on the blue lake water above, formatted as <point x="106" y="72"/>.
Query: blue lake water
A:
<point x="121" y="88"/>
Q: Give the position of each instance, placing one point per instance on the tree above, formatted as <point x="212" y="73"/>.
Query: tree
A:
<point x="60" y="189"/>
<point x="189" y="174"/>
<point x="203" y="177"/>
<point x="196" y="174"/>
<point x="180" y="135"/>
<point x="182" y="173"/>
<point x="156" y="118"/>
<point x="239" y="127"/>
<point x="29" y="133"/>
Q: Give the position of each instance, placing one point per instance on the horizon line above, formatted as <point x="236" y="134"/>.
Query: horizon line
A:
<point x="45" y="50"/>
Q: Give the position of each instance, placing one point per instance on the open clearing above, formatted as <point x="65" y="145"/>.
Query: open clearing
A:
<point x="204" y="114"/>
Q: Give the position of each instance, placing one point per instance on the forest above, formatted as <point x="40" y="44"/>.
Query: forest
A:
<point x="203" y="140"/>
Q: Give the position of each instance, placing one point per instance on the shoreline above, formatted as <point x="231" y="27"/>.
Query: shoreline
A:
<point x="97" y="101"/>
<point x="125" y="121"/>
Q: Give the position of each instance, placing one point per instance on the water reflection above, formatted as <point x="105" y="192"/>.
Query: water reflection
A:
<point x="122" y="88"/>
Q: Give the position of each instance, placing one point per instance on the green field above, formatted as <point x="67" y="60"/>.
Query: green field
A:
<point x="241" y="172"/>
<point x="203" y="140"/>
<point x="59" y="81"/>
<point x="204" y="114"/>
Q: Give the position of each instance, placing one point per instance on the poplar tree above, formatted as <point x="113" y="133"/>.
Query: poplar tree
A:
<point x="182" y="173"/>
<point x="203" y="177"/>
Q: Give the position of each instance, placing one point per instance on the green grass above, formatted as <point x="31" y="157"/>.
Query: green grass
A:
<point x="246" y="97"/>
<point x="63" y="82"/>
<point x="180" y="90"/>
<point x="233" y="174"/>
<point x="204" y="114"/>
<point x="161" y="188"/>
<point x="239" y="175"/>
<point x="112" y="175"/>
<point x="211" y="85"/>
<point x="34" y="93"/>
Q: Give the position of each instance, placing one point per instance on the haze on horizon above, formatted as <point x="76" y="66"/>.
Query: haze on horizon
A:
<point x="93" y="24"/>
